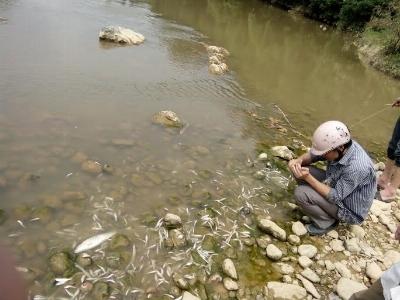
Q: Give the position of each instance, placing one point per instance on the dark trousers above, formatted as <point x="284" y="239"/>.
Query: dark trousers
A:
<point x="393" y="151"/>
<point x="375" y="292"/>
<point x="322" y="212"/>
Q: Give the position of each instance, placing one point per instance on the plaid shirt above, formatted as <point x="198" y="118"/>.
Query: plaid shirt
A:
<point x="353" y="184"/>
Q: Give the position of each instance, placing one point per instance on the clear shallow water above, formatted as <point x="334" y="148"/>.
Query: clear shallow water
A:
<point x="63" y="92"/>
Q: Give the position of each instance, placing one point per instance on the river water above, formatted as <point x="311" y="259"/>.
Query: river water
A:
<point x="65" y="97"/>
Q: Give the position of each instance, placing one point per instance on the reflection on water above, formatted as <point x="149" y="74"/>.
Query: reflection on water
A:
<point x="66" y="99"/>
<point x="281" y="58"/>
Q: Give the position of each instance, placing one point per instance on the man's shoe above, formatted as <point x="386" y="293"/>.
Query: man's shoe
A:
<point x="314" y="230"/>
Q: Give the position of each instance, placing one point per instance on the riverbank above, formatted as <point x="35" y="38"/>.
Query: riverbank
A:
<point x="375" y="25"/>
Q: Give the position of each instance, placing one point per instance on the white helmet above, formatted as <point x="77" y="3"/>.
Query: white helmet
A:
<point x="329" y="136"/>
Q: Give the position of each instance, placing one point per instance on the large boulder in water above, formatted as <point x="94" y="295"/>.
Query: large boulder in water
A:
<point x="167" y="118"/>
<point x="121" y="35"/>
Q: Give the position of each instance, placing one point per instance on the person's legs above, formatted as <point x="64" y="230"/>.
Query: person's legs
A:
<point x="321" y="211"/>
<point x="375" y="292"/>
<point x="393" y="162"/>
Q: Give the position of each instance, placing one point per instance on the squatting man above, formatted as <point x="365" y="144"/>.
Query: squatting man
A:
<point x="345" y="191"/>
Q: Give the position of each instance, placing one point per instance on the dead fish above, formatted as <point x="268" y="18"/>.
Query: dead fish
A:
<point x="94" y="241"/>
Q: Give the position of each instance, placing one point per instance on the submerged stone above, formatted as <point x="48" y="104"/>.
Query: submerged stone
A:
<point x="172" y="221"/>
<point x="92" y="167"/>
<point x="61" y="264"/>
<point x="119" y="241"/>
<point x="101" y="291"/>
<point x="167" y="118"/>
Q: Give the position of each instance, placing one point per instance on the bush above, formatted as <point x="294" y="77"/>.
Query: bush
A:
<point x="325" y="10"/>
<point x="354" y="14"/>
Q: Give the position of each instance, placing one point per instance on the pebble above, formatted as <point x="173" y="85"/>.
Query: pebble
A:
<point x="309" y="286"/>
<point x="307" y="250"/>
<point x="333" y="234"/>
<point x="373" y="271"/>
<point x="342" y="269"/>
<point x="172" y="221"/>
<point x="352" y="245"/>
<point x="188" y="296"/>
<point x="263" y="157"/>
<point x="294" y="239"/>
<point x="274" y="252"/>
<point x="305" y="262"/>
<point x="347" y="287"/>
<point x="310" y="275"/>
<point x="285" y="291"/>
<point x="336" y="245"/>
<point x="272" y="228"/>
<point x="358" y="231"/>
<point x="299" y="229"/>
<point x="229" y="269"/>
<point x="230" y="284"/>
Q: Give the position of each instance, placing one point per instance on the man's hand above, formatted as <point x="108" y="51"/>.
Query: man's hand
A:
<point x="396" y="103"/>
<point x="295" y="166"/>
<point x="397" y="234"/>
<point x="304" y="173"/>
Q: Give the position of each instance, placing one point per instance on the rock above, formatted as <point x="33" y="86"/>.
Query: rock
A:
<point x="333" y="234"/>
<point x="380" y="207"/>
<point x="84" y="260"/>
<point x="217" y="69"/>
<point x="167" y="118"/>
<point x="299" y="229"/>
<point x="229" y="268"/>
<point x="188" y="296"/>
<point x="373" y="271"/>
<point x="294" y="239"/>
<point x="119" y="241"/>
<point x="263" y="157"/>
<point x="214" y="59"/>
<point x="120" y="142"/>
<point x="172" y="221"/>
<point x="307" y="250"/>
<point x="388" y="222"/>
<point x="61" y="264"/>
<point x="310" y="275"/>
<point x="178" y="238"/>
<point x="329" y="265"/>
<point x="180" y="281"/>
<point x="305" y="262"/>
<point x="260" y="175"/>
<point x="79" y="157"/>
<point x="352" y="245"/>
<point x="117" y="34"/>
<point x="3" y="216"/>
<point x="230" y="284"/>
<point x="92" y="167"/>
<point x="358" y="231"/>
<point x="380" y="166"/>
<point x="263" y="241"/>
<point x="101" y="291"/>
<point x="215" y="50"/>
<point x="274" y="252"/>
<point x="342" y="269"/>
<point x="73" y="196"/>
<point x="285" y="291"/>
<point x="285" y="268"/>
<point x="271" y="228"/>
<point x="391" y="257"/>
<point x="282" y="152"/>
<point x="336" y="245"/>
<point x="309" y="286"/>
<point x="347" y="287"/>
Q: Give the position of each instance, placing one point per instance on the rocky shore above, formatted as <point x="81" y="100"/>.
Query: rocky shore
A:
<point x="220" y="248"/>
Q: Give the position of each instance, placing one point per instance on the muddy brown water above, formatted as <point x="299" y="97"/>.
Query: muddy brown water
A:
<point x="63" y="92"/>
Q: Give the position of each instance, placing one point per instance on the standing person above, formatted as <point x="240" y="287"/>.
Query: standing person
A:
<point x="389" y="181"/>
<point x="345" y="191"/>
<point x="385" y="288"/>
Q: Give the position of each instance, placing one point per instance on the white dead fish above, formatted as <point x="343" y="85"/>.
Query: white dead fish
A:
<point x="94" y="241"/>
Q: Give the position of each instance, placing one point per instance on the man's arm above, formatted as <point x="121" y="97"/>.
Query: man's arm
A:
<point x="318" y="186"/>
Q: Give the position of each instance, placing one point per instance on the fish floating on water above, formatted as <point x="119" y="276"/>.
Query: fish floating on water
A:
<point x="94" y="241"/>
